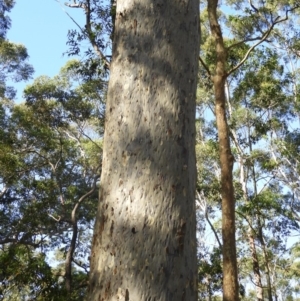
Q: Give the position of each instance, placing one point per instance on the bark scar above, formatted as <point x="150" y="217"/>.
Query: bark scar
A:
<point x="134" y="26"/>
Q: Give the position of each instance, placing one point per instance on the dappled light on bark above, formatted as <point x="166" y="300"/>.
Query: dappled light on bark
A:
<point x="144" y="245"/>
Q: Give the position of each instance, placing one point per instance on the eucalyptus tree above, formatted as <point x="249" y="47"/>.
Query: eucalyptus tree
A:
<point x="51" y="178"/>
<point x="258" y="106"/>
<point x="97" y="30"/>
<point x="49" y="157"/>
<point x="260" y="102"/>
<point x="144" y="244"/>
<point x="253" y="26"/>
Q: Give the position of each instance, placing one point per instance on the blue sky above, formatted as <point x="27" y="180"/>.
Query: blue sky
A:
<point x="42" y="26"/>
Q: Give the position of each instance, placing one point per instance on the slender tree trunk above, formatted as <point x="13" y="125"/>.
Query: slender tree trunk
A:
<point x="256" y="268"/>
<point x="230" y="275"/>
<point x="255" y="262"/>
<point x="251" y="240"/>
<point x="68" y="262"/>
<point x="209" y="294"/>
<point x="261" y="236"/>
<point x="266" y="259"/>
<point x="70" y="253"/>
<point x="144" y="244"/>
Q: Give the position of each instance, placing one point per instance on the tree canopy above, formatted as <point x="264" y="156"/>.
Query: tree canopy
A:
<point x="51" y="153"/>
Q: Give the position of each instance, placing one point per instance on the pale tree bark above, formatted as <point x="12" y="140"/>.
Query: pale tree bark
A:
<point x="255" y="262"/>
<point x="144" y="244"/>
<point x="259" y="231"/>
<point x="251" y="233"/>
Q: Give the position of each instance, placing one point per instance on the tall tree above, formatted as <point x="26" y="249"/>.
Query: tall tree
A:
<point x="144" y="244"/>
<point x="251" y="28"/>
<point x="261" y="107"/>
<point x="49" y="167"/>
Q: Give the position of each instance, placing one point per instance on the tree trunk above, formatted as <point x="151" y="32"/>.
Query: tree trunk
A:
<point x="144" y="244"/>
<point x="251" y="239"/>
<point x="255" y="262"/>
<point x="70" y="253"/>
<point x="266" y="259"/>
<point x="230" y="274"/>
<point x="256" y="268"/>
<point x="68" y="262"/>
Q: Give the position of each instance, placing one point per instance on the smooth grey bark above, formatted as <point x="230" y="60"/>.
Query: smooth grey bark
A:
<point x="144" y="244"/>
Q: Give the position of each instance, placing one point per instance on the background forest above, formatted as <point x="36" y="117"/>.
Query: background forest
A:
<point x="51" y="148"/>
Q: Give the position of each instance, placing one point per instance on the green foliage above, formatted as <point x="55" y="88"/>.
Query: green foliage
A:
<point x="97" y="30"/>
<point x="50" y="158"/>
<point x="25" y="273"/>
<point x="51" y="148"/>
<point x="50" y="151"/>
<point x="262" y="112"/>
<point x="13" y="57"/>
<point x="210" y="274"/>
<point x="5" y="7"/>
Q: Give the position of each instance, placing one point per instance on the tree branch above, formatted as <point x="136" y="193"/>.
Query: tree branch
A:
<point x="244" y="41"/>
<point x="252" y="48"/>
<point x="69" y="257"/>
<point x="88" y="31"/>
<point x="54" y="218"/>
<point x="81" y="265"/>
<point x="62" y="7"/>
<point x="203" y="206"/>
<point x="254" y="8"/>
<point x="21" y="241"/>
<point x="204" y="65"/>
<point x="3" y="191"/>
<point x="263" y="38"/>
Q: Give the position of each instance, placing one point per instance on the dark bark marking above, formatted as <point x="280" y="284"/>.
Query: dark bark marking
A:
<point x="136" y="155"/>
<point x="112" y="228"/>
<point x="135" y="26"/>
<point x="101" y="228"/>
<point x="131" y="190"/>
<point x="127" y="295"/>
<point x="107" y="290"/>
